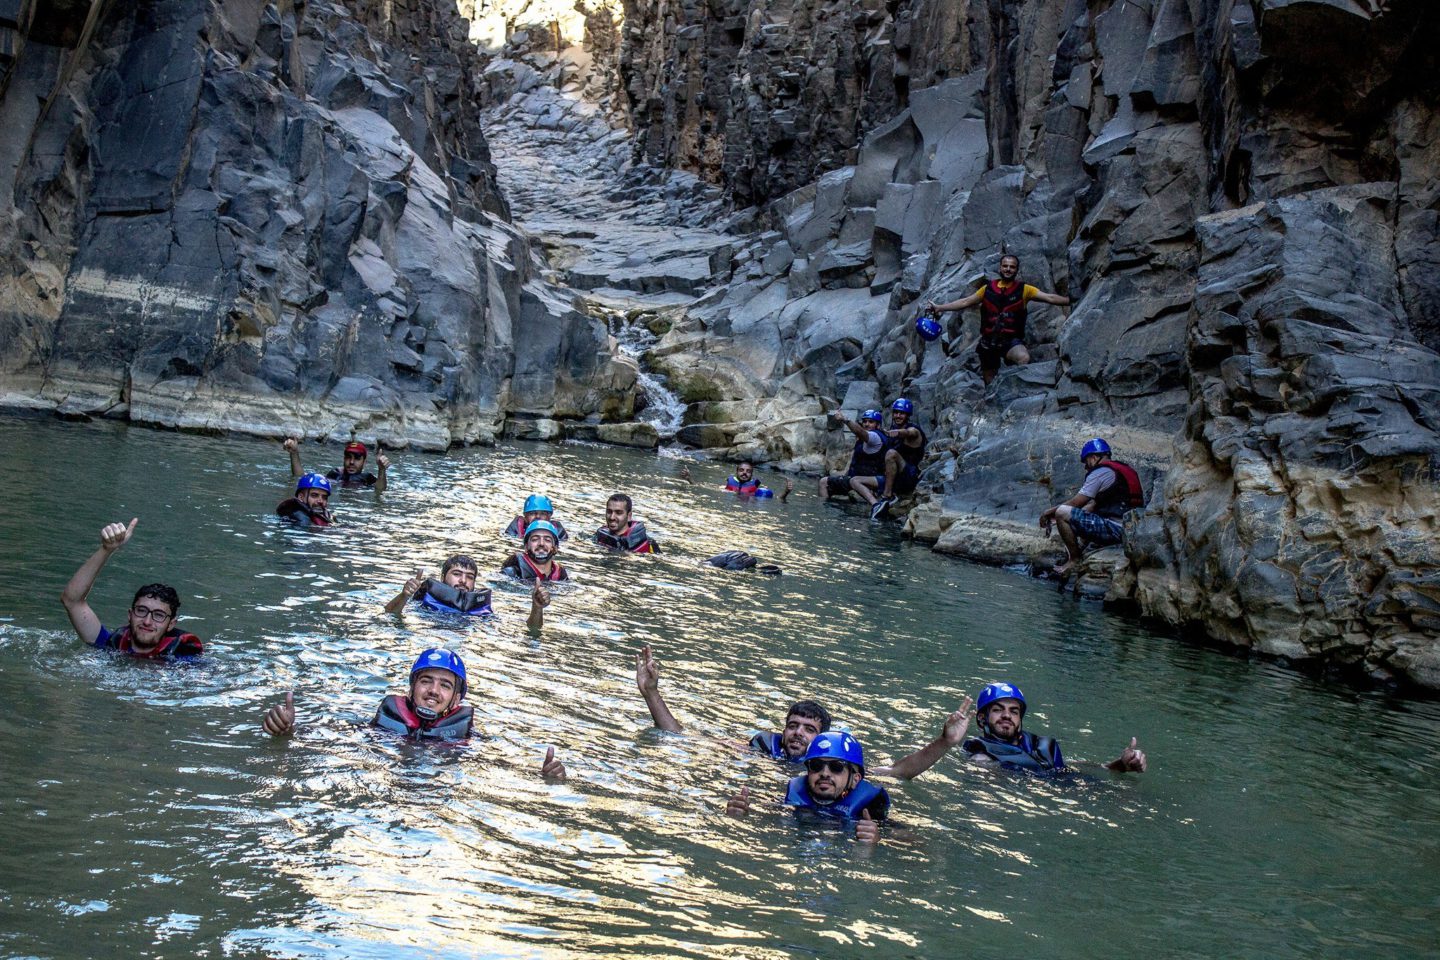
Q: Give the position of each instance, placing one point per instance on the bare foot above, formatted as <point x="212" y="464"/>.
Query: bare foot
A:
<point x="1063" y="570"/>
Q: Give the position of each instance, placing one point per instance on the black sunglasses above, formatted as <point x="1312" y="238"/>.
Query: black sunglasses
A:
<point x="833" y="766"/>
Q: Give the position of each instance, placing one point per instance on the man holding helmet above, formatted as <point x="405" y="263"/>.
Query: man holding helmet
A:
<point x="833" y="785"/>
<point x="1093" y="515"/>
<point x="1000" y="713"/>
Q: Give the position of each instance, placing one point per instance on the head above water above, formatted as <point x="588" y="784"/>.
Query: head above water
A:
<point x="542" y="540"/>
<point x="804" y="721"/>
<point x="460" y="571"/>
<point x="538" y="507"/>
<point x="355" y="454"/>
<point x="437" y="682"/>
<point x="617" y="513"/>
<point x="745" y="471"/>
<point x="313" y="490"/>
<point x="834" y="764"/>
<point x="1000" y="711"/>
<point x="153" y="612"/>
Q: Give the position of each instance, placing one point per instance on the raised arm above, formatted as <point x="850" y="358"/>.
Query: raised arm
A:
<point x="292" y="446"/>
<point x="647" y="679"/>
<point x="852" y="425"/>
<point x="951" y="734"/>
<point x="789" y="486"/>
<point x="539" y="600"/>
<point x="412" y="586"/>
<point x="383" y="463"/>
<point x="112" y="537"/>
<point x="1054" y="299"/>
<point x="964" y="303"/>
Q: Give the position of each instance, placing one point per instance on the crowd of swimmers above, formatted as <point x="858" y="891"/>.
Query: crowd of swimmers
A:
<point x="831" y="779"/>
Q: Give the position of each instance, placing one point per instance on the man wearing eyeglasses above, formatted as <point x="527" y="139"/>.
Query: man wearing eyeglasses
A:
<point x="833" y="785"/>
<point x="150" y="629"/>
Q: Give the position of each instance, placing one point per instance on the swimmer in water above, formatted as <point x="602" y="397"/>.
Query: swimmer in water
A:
<point x="310" y="507"/>
<point x="537" y="507"/>
<point x="620" y="531"/>
<point x="804" y="721"/>
<point x="455" y="592"/>
<point x="352" y="472"/>
<point x="149" y="629"/>
<point x="537" y="561"/>
<point x="1002" y="742"/>
<point x="833" y="785"/>
<point x="433" y="709"/>
<point x="744" y="483"/>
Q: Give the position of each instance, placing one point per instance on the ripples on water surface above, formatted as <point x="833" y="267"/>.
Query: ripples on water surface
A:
<point x="148" y="815"/>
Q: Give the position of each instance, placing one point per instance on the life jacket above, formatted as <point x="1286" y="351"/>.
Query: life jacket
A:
<point x="912" y="455"/>
<point x="1122" y="495"/>
<point x="769" y="744"/>
<point x="864" y="464"/>
<point x="517" y="527"/>
<point x="526" y="569"/>
<point x="750" y="488"/>
<point x="175" y="643"/>
<point x="1038" y="754"/>
<point x="438" y="595"/>
<point x="397" y="715"/>
<point x="361" y="479"/>
<point x="301" y="515"/>
<point x="847" y="807"/>
<point x="1002" y="312"/>
<point x="634" y="539"/>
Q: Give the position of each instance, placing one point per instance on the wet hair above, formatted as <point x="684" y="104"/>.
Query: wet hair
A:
<point x="460" y="560"/>
<point x="162" y="592"/>
<point x="629" y="504"/>
<point x="810" y="710"/>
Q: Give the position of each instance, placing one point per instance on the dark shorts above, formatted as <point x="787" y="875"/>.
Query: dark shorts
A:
<point x="1095" y="529"/>
<point x="907" y="479"/>
<point x="993" y="351"/>
<point x="840" y="484"/>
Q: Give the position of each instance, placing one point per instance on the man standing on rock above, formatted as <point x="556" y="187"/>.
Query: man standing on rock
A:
<point x="867" y="463"/>
<point x="1093" y="515"/>
<point x="352" y="472"/>
<point x="1002" y="316"/>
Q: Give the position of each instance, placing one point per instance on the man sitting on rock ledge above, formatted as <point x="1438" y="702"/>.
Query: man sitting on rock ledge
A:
<point x="866" y="474"/>
<point x="1002" y="316"/>
<point x="1093" y="515"/>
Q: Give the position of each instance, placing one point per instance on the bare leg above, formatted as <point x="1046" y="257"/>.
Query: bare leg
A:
<point x="892" y="469"/>
<point x="1018" y="355"/>
<point x="824" y="488"/>
<point x="1067" y="534"/>
<point x="865" y="486"/>
<point x="987" y="375"/>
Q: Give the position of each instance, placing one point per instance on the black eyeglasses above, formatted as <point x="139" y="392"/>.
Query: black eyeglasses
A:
<point x="833" y="766"/>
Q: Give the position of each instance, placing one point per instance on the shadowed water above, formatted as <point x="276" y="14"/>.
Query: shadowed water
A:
<point x="147" y="815"/>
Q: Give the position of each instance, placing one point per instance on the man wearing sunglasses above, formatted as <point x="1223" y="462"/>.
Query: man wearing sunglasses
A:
<point x="804" y="721"/>
<point x="150" y="628"/>
<point x="833" y="785"/>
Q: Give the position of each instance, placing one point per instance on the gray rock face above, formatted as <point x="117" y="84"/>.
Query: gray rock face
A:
<point x="1243" y="213"/>
<point x="273" y="218"/>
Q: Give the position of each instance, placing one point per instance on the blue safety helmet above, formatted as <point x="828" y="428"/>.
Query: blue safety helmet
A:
<point x="872" y="415"/>
<point x="312" y="481"/>
<point x="903" y="406"/>
<point x="438" y="659"/>
<point x="837" y="745"/>
<point x="927" y="326"/>
<point x="998" y="691"/>
<point x="542" y="525"/>
<point x="538" y="503"/>
<point x="1095" y="446"/>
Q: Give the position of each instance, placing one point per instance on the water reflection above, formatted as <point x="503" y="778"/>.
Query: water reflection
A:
<point x="148" y="809"/>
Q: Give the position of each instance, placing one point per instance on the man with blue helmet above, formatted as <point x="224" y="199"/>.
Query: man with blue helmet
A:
<point x="1000" y="714"/>
<point x="904" y="449"/>
<point x="866" y="472"/>
<point x="833" y="785"/>
<point x="537" y="507"/>
<point x="537" y="560"/>
<point x="433" y="709"/>
<point x="1094" y="515"/>
<point x="310" y="507"/>
<point x="149" y="629"/>
<point x="352" y="472"/>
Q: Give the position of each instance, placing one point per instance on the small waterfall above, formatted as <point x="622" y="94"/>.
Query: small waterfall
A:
<point x="632" y="333"/>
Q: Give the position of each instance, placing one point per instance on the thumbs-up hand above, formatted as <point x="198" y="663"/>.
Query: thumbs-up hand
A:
<point x="113" y="536"/>
<point x="552" y="769"/>
<point x="280" y="719"/>
<point x="739" y="804"/>
<point x="867" y="830"/>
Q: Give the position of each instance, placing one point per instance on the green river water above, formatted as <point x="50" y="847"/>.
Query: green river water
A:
<point x="146" y="815"/>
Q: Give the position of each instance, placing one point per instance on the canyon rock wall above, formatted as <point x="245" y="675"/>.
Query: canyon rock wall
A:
<point x="1239" y="195"/>
<point x="272" y="217"/>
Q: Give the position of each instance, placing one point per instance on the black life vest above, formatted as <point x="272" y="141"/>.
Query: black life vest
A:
<point x="1122" y="495"/>
<point x="1002" y="312"/>
<point x="518" y="525"/>
<point x="522" y="566"/>
<point x="175" y="643"/>
<point x="1031" y="753"/>
<point x="633" y="539"/>
<point x="301" y="515"/>
<point x="397" y="715"/>
<point x="438" y="595"/>
<point x="864" y="464"/>
<point x="847" y="807"/>
<point x="361" y="479"/>
<point x="912" y="455"/>
<point x="770" y="745"/>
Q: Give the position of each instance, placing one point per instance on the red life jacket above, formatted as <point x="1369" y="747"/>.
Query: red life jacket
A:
<point x="396" y="714"/>
<point x="633" y="539"/>
<point x="748" y="487"/>
<point x="175" y="643"/>
<point x="527" y="569"/>
<point x="1002" y="312"/>
<point x="1122" y="495"/>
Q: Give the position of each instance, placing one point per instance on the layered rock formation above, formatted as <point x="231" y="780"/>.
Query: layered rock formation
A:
<point x="1240" y="197"/>
<point x="272" y="217"/>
